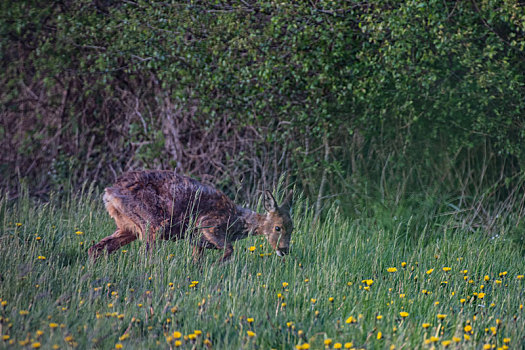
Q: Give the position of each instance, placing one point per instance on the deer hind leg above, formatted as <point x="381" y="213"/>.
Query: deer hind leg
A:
<point x="197" y="253"/>
<point x="111" y="243"/>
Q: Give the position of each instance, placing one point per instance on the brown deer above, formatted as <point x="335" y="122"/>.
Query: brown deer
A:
<point x="151" y="205"/>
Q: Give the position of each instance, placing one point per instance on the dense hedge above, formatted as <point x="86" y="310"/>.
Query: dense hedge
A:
<point x="335" y="94"/>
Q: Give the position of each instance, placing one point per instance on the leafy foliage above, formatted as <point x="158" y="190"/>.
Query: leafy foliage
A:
<point x="399" y="94"/>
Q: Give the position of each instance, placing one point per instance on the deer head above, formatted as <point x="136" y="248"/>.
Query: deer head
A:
<point x="277" y="224"/>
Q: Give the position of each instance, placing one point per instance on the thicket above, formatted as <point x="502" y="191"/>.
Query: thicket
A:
<point x="347" y="99"/>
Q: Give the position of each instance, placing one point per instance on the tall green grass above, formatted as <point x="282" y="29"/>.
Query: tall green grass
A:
<point x="52" y="295"/>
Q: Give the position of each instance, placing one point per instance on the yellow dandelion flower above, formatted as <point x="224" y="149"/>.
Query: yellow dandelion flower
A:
<point x="446" y="343"/>
<point x="456" y="339"/>
<point x="447" y="269"/>
<point x="3" y="303"/>
<point x="401" y="295"/>
<point x="338" y="346"/>
<point x="441" y="316"/>
<point x="379" y="317"/>
<point x="403" y="314"/>
<point x="391" y="269"/>
<point x="425" y="325"/>
<point x="124" y="337"/>
<point x="178" y="343"/>
<point x="506" y="340"/>
<point x="252" y="248"/>
<point x="487" y="347"/>
<point x="249" y="319"/>
<point x="486" y="278"/>
<point x="23" y="312"/>
<point x="331" y="299"/>
<point x="430" y="271"/>
<point x="349" y="345"/>
<point x="119" y="346"/>
<point x="327" y="342"/>
<point x="467" y="328"/>
<point x="520" y="277"/>
<point x="36" y="345"/>
<point x="192" y="336"/>
<point x="313" y="300"/>
<point x="5" y="337"/>
<point x="350" y="320"/>
<point x="481" y="295"/>
<point x="504" y="273"/>
<point x="250" y="334"/>
<point x="466" y="336"/>
<point x="41" y="257"/>
<point x="207" y="342"/>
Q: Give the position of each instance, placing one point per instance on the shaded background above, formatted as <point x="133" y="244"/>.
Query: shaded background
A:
<point x="422" y="102"/>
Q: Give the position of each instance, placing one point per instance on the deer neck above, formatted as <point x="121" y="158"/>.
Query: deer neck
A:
<point x="252" y="221"/>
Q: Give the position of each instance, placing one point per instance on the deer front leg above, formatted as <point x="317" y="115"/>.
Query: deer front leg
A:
<point x="111" y="243"/>
<point x="217" y="238"/>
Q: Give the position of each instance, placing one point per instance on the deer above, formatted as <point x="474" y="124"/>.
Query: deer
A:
<point x="152" y="205"/>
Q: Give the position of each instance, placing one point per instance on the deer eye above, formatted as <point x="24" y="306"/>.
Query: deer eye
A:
<point x="277" y="228"/>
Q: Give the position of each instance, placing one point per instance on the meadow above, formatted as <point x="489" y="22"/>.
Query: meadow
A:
<point x="392" y="280"/>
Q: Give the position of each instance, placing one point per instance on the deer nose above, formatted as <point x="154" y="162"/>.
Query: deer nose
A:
<point x="282" y="251"/>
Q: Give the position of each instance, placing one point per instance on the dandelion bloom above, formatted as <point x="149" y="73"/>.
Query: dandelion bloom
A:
<point x="425" y="325"/>
<point x="338" y="346"/>
<point x="350" y="320"/>
<point x="379" y="335"/>
<point x="41" y="257"/>
<point x="446" y="342"/>
<point x="403" y="314"/>
<point x="249" y="319"/>
<point x="327" y="342"/>
<point x="481" y="295"/>
<point x="349" y="345"/>
<point x="403" y="264"/>
<point x="467" y="328"/>
<point x="430" y="271"/>
<point x="119" y="346"/>
<point x="520" y="277"/>
<point x="486" y="278"/>
<point x="36" y="345"/>
<point x="379" y="317"/>
<point x="441" y="316"/>
<point x="446" y="269"/>
<point x="313" y="300"/>
<point x="252" y="248"/>
<point x="178" y="343"/>
<point x="487" y="346"/>
<point x="506" y="340"/>
<point x="391" y="269"/>
<point x="250" y="334"/>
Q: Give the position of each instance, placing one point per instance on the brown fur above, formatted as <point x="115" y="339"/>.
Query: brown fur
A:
<point x="151" y="205"/>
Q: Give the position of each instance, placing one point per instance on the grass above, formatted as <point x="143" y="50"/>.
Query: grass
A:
<point x="334" y="290"/>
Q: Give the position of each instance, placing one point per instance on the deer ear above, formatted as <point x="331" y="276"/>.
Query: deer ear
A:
<point x="269" y="202"/>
